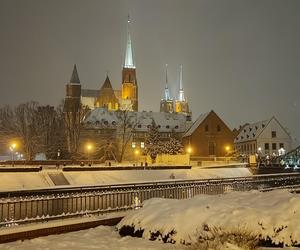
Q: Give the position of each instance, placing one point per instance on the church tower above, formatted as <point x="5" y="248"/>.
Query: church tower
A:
<point x="167" y="104"/>
<point x="72" y="110"/>
<point x="181" y="104"/>
<point x="129" y="98"/>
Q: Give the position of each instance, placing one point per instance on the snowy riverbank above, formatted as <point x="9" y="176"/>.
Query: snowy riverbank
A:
<point x="17" y="181"/>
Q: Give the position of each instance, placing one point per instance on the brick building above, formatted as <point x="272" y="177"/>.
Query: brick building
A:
<point x="209" y="136"/>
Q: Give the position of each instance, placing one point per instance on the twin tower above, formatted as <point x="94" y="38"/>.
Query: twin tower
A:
<point x="168" y="104"/>
<point x="127" y="97"/>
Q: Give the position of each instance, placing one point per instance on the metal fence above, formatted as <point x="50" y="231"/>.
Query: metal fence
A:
<point x="45" y="204"/>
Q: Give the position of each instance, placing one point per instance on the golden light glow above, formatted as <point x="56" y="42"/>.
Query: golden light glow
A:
<point x="227" y="148"/>
<point x="89" y="147"/>
<point x="13" y="146"/>
<point x="136" y="152"/>
<point x="189" y="150"/>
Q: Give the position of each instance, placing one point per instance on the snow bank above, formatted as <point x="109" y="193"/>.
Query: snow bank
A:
<point x="17" y="181"/>
<point x="104" y="238"/>
<point x="272" y="215"/>
<point x="125" y="176"/>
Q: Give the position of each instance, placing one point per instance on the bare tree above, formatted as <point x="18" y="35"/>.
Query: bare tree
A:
<point x="127" y="122"/>
<point x="39" y="128"/>
<point x="73" y="126"/>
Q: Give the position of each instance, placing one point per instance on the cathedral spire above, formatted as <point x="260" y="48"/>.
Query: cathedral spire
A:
<point x="181" y="92"/>
<point x="75" y="77"/>
<point x="167" y="91"/>
<point x="129" y="63"/>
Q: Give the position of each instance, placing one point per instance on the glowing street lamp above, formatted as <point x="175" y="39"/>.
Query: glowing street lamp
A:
<point x="136" y="153"/>
<point x="12" y="149"/>
<point x="89" y="149"/>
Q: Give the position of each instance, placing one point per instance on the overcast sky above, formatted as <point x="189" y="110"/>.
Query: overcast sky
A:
<point x="240" y="58"/>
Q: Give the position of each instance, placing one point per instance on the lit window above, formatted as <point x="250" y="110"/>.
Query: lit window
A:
<point x="142" y="144"/>
<point x="133" y="144"/>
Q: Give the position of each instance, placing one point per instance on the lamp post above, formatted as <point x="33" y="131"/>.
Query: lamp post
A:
<point x="12" y="149"/>
<point x="136" y="153"/>
<point x="89" y="148"/>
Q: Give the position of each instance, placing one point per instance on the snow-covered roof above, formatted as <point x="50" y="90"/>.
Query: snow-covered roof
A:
<point x="141" y="121"/>
<point x="196" y="124"/>
<point x="251" y="131"/>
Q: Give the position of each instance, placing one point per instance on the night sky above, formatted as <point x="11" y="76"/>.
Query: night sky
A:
<point x="240" y="58"/>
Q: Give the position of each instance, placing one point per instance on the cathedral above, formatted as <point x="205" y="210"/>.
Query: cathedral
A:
<point x="125" y="98"/>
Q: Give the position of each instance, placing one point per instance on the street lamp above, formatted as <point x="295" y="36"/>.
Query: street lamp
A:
<point x="12" y="149"/>
<point x="89" y="148"/>
<point x="136" y="153"/>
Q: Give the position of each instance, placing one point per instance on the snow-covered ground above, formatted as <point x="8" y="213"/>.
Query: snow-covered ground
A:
<point x="16" y="181"/>
<point x="104" y="238"/>
<point x="274" y="214"/>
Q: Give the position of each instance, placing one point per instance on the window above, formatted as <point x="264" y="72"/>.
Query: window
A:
<point x="274" y="146"/>
<point x="273" y="134"/>
<point x="267" y="146"/>
<point x="281" y="145"/>
<point x="142" y="144"/>
<point x="206" y="128"/>
<point x="218" y="128"/>
<point x="133" y="144"/>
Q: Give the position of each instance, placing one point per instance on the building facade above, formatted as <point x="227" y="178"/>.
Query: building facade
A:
<point x="102" y="126"/>
<point x="267" y="137"/>
<point x="209" y="136"/>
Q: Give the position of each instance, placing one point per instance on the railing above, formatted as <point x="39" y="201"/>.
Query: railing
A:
<point x="24" y="206"/>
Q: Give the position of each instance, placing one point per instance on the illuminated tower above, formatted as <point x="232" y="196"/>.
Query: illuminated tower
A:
<point x="167" y="104"/>
<point x="181" y="104"/>
<point x="129" y="83"/>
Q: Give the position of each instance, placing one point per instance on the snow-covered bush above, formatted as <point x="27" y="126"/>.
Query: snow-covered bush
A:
<point x="236" y="218"/>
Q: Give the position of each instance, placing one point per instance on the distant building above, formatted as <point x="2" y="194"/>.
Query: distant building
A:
<point x="167" y="103"/>
<point x="209" y="136"/>
<point x="112" y="99"/>
<point x="266" y="137"/>
<point x="101" y="126"/>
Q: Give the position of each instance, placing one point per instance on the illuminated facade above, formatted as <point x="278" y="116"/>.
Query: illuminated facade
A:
<point x="167" y="103"/>
<point x="112" y="99"/>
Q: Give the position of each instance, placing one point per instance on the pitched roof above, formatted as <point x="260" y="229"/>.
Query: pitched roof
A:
<point x="251" y="131"/>
<point x="196" y="124"/>
<point x="74" y="77"/>
<point x="166" y="122"/>
<point x="106" y="84"/>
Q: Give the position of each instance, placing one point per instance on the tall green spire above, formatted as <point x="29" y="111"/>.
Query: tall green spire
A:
<point x="129" y="63"/>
